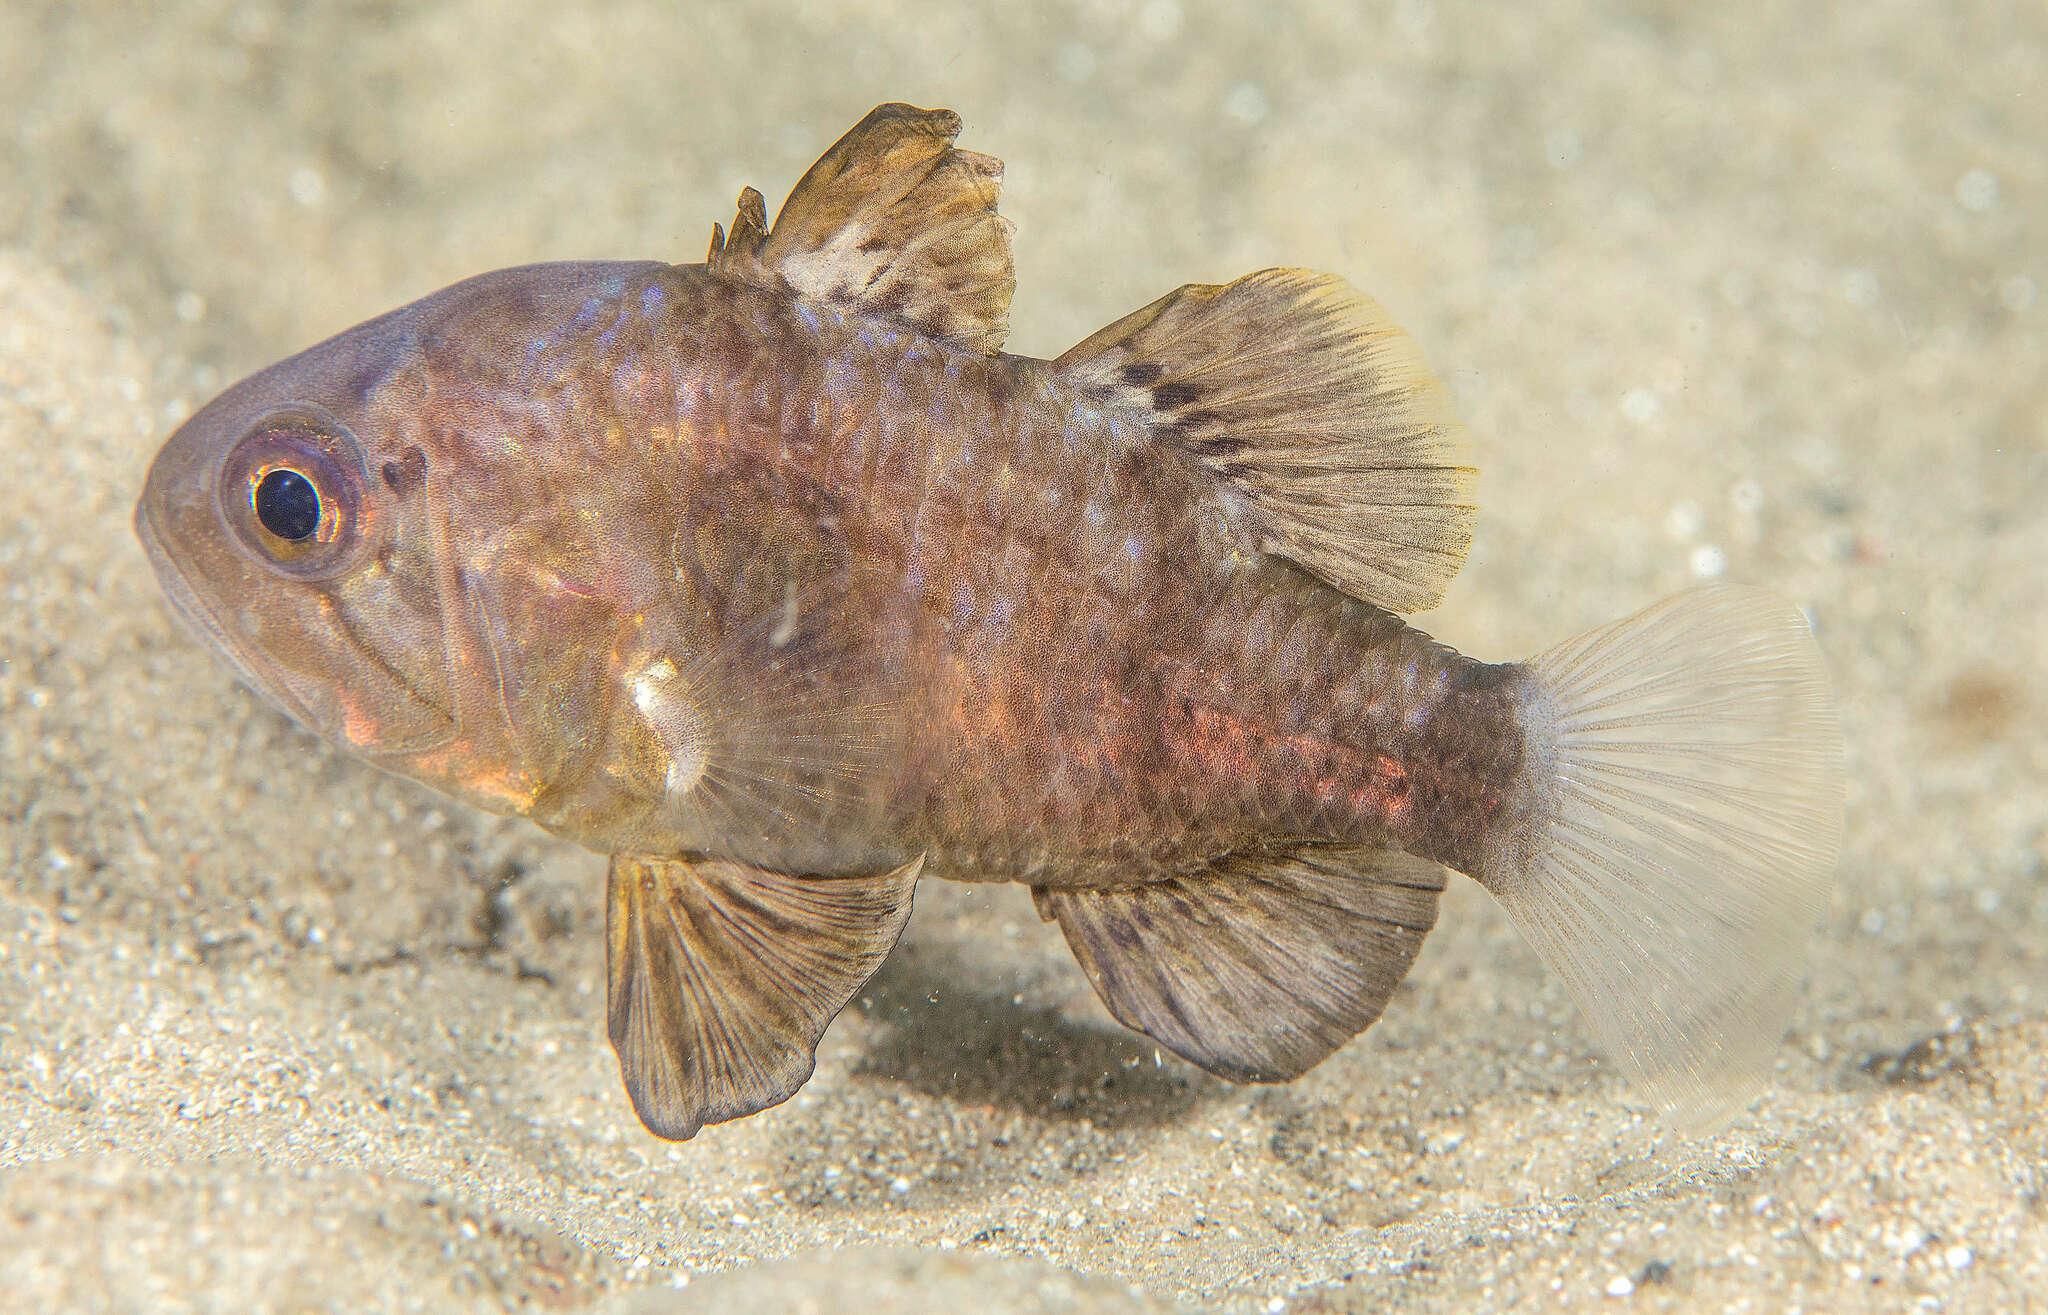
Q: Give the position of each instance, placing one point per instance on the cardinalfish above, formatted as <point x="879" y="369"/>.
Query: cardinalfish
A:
<point x="775" y="579"/>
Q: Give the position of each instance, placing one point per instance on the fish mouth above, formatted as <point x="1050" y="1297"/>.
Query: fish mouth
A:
<point x="200" y="624"/>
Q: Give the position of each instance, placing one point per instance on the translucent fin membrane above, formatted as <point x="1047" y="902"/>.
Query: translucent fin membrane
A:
<point x="1695" y="772"/>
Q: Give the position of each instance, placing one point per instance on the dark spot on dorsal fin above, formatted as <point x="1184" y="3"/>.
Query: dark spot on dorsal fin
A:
<point x="893" y="300"/>
<point x="1218" y="446"/>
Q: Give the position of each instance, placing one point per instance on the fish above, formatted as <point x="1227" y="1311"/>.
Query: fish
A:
<point x="776" y="580"/>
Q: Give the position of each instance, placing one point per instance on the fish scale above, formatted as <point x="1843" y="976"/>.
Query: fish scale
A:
<point x="1131" y="583"/>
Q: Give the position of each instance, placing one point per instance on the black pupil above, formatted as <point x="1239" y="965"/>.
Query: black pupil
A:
<point x="288" y="505"/>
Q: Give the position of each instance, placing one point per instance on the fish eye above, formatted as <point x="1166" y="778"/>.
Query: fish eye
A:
<point x="291" y="490"/>
<point x="288" y="505"/>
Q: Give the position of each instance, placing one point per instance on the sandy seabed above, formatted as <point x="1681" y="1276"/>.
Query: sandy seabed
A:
<point x="1756" y="294"/>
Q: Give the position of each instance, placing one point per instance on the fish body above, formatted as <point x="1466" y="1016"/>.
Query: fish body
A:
<point x="775" y="579"/>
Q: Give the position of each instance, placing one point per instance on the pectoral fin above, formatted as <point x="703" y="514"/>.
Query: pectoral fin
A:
<point x="723" y="977"/>
<point x="1259" y="967"/>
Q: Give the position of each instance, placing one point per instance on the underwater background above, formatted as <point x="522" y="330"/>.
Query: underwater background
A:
<point x="1756" y="293"/>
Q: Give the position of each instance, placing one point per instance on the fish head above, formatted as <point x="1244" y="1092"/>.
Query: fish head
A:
<point x="285" y="524"/>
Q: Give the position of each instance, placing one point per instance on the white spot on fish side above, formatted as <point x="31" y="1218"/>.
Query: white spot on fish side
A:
<point x="648" y="682"/>
<point x="683" y="775"/>
<point x="785" y="628"/>
<point x="672" y="719"/>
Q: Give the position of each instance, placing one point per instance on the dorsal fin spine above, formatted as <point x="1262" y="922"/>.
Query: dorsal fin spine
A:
<point x="891" y="221"/>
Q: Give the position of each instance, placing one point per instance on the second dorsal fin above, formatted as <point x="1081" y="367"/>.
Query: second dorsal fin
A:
<point x="1300" y="392"/>
<point x="892" y="220"/>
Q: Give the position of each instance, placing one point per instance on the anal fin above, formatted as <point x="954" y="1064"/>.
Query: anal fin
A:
<point x="1259" y="967"/>
<point x="723" y="978"/>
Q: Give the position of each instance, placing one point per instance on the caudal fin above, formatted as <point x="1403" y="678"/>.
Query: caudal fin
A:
<point x="1693" y="768"/>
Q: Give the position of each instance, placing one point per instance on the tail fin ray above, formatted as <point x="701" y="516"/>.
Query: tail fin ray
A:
<point x="1692" y="765"/>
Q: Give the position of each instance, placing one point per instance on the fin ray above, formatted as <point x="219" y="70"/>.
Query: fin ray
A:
<point x="1695" y="783"/>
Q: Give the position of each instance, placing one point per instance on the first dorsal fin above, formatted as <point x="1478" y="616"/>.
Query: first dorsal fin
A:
<point x="1261" y="966"/>
<point x="893" y="220"/>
